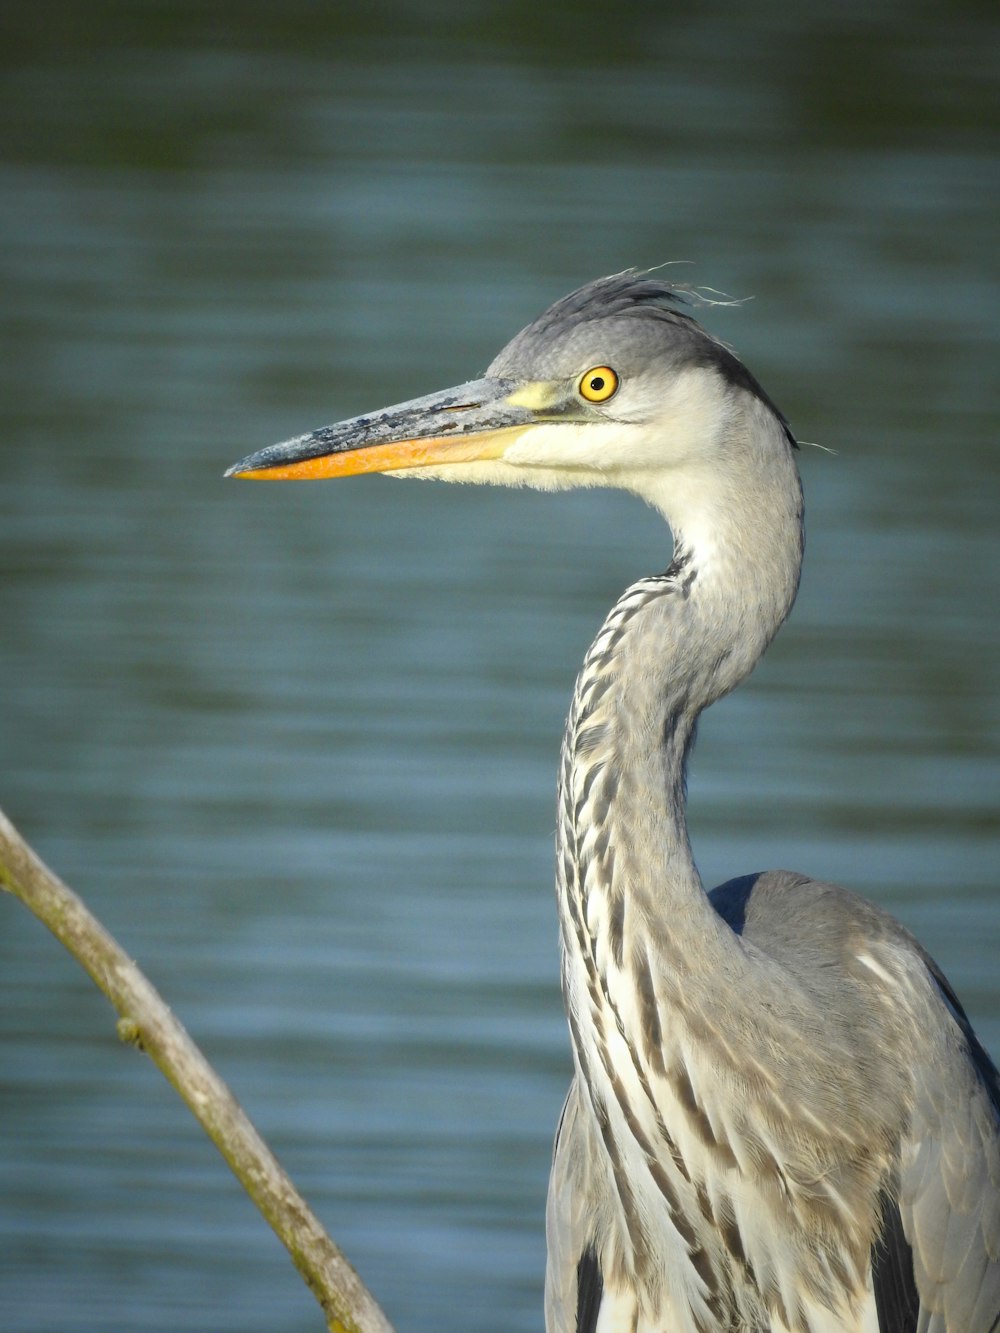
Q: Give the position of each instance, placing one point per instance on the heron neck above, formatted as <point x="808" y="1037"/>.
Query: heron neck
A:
<point x="672" y="645"/>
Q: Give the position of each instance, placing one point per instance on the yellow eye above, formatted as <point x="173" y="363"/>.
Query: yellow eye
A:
<point x="598" y="385"/>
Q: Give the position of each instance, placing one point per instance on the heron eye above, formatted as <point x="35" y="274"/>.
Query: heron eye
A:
<point x="599" y="384"/>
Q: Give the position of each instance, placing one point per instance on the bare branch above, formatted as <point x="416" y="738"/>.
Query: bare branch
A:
<point x="146" y="1021"/>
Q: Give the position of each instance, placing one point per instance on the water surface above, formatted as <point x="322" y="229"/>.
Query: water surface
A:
<point x="296" y="745"/>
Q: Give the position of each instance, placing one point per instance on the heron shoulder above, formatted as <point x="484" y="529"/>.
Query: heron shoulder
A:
<point x="791" y="917"/>
<point x="839" y="946"/>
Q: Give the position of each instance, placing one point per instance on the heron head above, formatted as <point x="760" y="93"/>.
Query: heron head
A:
<point x="611" y="386"/>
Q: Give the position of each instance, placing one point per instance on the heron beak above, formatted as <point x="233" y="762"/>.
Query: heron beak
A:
<point x="473" y="421"/>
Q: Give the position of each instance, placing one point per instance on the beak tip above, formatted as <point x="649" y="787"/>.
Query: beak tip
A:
<point x="246" y="467"/>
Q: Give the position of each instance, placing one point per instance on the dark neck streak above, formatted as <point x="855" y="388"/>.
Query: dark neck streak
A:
<point x="625" y="869"/>
<point x="671" y="646"/>
<point x="629" y="734"/>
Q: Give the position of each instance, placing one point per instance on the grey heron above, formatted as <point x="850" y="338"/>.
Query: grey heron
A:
<point x="780" y="1117"/>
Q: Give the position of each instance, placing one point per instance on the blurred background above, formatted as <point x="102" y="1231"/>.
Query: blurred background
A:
<point x="296" y="746"/>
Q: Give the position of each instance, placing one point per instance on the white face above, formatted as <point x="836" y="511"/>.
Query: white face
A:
<point x="638" y="431"/>
<point x="652" y="427"/>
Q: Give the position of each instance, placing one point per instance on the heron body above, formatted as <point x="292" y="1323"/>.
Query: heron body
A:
<point x="780" y="1119"/>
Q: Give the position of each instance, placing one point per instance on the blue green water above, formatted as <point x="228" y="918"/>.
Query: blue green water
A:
<point x="296" y="745"/>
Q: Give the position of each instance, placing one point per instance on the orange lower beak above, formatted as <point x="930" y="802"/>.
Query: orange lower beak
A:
<point x="397" y="457"/>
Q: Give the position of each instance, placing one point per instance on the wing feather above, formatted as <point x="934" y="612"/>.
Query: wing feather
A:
<point x="896" y="1298"/>
<point x="574" y="1284"/>
<point x="950" y="1171"/>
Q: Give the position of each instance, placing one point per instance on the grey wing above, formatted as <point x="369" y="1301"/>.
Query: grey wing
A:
<point x="574" y="1285"/>
<point x="936" y="1264"/>
<point x="949" y="1188"/>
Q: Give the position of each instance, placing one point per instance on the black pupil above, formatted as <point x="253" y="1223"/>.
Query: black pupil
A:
<point x="597" y="383"/>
